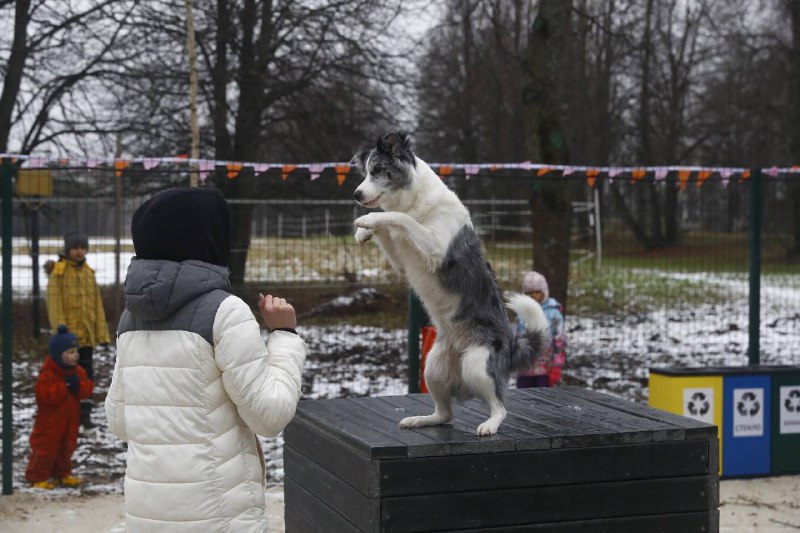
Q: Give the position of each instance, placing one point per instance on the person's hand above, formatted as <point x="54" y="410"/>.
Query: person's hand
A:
<point x="277" y="312"/>
<point x="73" y="383"/>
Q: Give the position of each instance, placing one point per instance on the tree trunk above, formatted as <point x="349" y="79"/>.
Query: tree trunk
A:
<point x="14" y="70"/>
<point x="794" y="105"/>
<point x="551" y="200"/>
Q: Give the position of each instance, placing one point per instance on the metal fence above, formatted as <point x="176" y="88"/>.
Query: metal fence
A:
<point x="659" y="275"/>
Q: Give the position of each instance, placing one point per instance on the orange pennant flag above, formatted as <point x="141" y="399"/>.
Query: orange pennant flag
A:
<point x="120" y="165"/>
<point x="182" y="156"/>
<point x="702" y="176"/>
<point x="683" y="176"/>
<point x="445" y="170"/>
<point x="745" y="175"/>
<point x="637" y="174"/>
<point x="285" y="170"/>
<point x="542" y="171"/>
<point x="591" y="176"/>
<point x="341" y="173"/>
<point x="63" y="162"/>
<point x="233" y="170"/>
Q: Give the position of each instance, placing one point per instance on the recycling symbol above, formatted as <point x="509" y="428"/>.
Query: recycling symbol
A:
<point x="792" y="403"/>
<point x="748" y="405"/>
<point x="698" y="398"/>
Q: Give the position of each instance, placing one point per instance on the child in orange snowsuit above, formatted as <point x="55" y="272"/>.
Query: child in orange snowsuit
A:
<point x="62" y="384"/>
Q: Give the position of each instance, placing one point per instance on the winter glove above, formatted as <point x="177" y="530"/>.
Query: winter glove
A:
<point x="73" y="383"/>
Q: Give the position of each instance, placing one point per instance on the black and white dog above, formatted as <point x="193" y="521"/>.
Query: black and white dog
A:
<point x="427" y="235"/>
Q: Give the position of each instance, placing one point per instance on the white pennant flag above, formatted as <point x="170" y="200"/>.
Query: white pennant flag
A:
<point x="613" y="173"/>
<point x="37" y="162"/>
<point x="567" y="171"/>
<point x="661" y="173"/>
<point x="726" y="174"/>
<point x="471" y="170"/>
<point x="92" y="163"/>
<point x="205" y="167"/>
<point x="773" y="171"/>
<point x="150" y="164"/>
<point x="315" y="169"/>
<point x="260" y="168"/>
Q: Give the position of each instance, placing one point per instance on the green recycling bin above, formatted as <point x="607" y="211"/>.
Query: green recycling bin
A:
<point x="786" y="420"/>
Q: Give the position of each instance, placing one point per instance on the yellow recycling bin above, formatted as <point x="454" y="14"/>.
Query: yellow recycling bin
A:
<point x="692" y="393"/>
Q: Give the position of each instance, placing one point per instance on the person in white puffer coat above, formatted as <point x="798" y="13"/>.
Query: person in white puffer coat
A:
<point x="194" y="381"/>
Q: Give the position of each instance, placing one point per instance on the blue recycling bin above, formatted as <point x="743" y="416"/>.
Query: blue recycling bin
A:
<point x="747" y="419"/>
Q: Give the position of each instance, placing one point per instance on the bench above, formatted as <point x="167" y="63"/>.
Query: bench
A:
<point x="564" y="460"/>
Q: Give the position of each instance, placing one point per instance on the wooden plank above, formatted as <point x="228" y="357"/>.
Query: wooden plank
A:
<point x="387" y="420"/>
<point x="617" y="432"/>
<point x="693" y="428"/>
<point x="465" y="510"/>
<point x="315" y="515"/>
<point x="701" y="522"/>
<point x="468" y="420"/>
<point x="328" y="416"/>
<point x="457" y="440"/>
<point x="659" y="430"/>
<point x="566" y="466"/>
<point x="334" y="455"/>
<point x="361" y="511"/>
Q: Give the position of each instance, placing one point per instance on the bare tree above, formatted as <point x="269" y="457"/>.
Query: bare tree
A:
<point x="54" y="61"/>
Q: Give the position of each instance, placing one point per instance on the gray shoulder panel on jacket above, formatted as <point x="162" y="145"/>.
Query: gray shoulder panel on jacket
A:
<point x="196" y="316"/>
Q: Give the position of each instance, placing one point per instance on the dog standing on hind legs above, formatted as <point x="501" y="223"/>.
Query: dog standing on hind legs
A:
<point x="427" y="235"/>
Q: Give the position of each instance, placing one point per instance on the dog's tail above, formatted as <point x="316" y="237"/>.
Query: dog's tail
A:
<point x="536" y="331"/>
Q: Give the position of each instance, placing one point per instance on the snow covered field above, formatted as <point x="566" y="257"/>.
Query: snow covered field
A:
<point x="607" y="352"/>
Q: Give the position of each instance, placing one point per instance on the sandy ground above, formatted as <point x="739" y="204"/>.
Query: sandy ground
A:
<point x="753" y="505"/>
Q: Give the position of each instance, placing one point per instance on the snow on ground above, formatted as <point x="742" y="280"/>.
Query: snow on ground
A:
<point x="606" y="353"/>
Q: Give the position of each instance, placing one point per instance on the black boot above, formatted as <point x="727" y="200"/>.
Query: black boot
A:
<point x="86" y="415"/>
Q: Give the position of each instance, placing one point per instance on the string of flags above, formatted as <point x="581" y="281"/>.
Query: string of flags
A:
<point x="233" y="168"/>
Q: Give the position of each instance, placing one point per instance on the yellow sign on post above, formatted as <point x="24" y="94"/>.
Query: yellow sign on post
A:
<point x="697" y="397"/>
<point x="35" y="182"/>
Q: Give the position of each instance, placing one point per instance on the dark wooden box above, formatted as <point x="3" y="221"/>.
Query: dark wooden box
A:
<point x="565" y="460"/>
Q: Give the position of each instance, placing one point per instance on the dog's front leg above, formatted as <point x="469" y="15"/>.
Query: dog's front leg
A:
<point x="424" y="240"/>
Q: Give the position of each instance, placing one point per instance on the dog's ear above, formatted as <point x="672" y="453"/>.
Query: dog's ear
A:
<point x="397" y="145"/>
<point x="360" y="159"/>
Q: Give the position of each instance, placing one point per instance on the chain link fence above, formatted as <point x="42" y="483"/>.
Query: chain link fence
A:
<point x="657" y="276"/>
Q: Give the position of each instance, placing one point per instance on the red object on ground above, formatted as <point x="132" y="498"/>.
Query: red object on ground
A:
<point x="428" y="336"/>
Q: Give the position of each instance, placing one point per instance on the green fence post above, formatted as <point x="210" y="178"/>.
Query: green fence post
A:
<point x="756" y="220"/>
<point x="6" y="173"/>
<point x="414" y="324"/>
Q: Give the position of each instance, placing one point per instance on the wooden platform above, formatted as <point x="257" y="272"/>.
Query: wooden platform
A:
<point x="565" y="460"/>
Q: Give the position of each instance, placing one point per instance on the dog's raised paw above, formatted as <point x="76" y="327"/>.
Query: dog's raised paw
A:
<point x="363" y="235"/>
<point x="368" y="221"/>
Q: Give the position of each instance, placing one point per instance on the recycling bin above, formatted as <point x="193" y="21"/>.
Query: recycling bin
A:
<point x="691" y="392"/>
<point x="786" y="420"/>
<point x="746" y="422"/>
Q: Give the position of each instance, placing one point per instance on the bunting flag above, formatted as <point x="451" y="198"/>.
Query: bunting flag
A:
<point x="726" y="174"/>
<point x="471" y="170"/>
<point x="233" y="170"/>
<point x="286" y="170"/>
<point x="637" y="174"/>
<point x="745" y="175"/>
<point x="341" y="173"/>
<point x="315" y="169"/>
<point x="683" y="176"/>
<point x="702" y="176"/>
<point x="591" y="176"/>
<point x="119" y="166"/>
